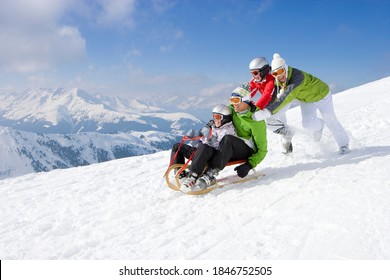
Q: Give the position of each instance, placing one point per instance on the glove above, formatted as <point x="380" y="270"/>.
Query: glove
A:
<point x="280" y="94"/>
<point x="252" y="106"/>
<point x="261" y="115"/>
<point x="205" y="131"/>
<point x="243" y="169"/>
<point x="190" y="133"/>
<point x="210" y="123"/>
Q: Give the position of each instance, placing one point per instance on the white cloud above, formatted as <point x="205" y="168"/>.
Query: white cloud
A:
<point x="26" y="52"/>
<point x="116" y="11"/>
<point x="39" y="80"/>
<point x="219" y="89"/>
<point x="32" y="12"/>
<point x="33" y="38"/>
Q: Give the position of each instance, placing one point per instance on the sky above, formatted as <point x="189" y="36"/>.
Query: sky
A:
<point x="313" y="204"/>
<point x="148" y="48"/>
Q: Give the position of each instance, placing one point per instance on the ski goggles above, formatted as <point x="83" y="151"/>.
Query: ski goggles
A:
<point x="278" y="72"/>
<point x="217" y="117"/>
<point x="255" y="73"/>
<point x="235" y="100"/>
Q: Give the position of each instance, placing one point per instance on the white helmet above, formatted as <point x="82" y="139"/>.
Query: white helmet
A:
<point x="261" y="64"/>
<point x="225" y="111"/>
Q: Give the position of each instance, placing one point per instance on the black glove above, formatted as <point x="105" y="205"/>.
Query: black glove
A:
<point x="243" y="169"/>
<point x="210" y="123"/>
<point x="252" y="106"/>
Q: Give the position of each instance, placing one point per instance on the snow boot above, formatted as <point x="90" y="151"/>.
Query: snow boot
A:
<point x="287" y="148"/>
<point x="286" y="133"/>
<point x="183" y="174"/>
<point x="189" y="182"/>
<point x="344" y="150"/>
<point x="207" y="179"/>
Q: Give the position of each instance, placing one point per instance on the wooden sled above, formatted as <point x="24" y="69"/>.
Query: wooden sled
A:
<point x="173" y="181"/>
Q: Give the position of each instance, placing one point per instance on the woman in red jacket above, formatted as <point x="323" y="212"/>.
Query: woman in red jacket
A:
<point x="263" y="82"/>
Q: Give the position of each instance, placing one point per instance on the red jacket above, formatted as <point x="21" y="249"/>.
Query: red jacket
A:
<point x="265" y="88"/>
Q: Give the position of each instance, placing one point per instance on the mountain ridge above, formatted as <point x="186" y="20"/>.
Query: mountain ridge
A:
<point x="46" y="129"/>
<point x="74" y="110"/>
<point x="27" y="152"/>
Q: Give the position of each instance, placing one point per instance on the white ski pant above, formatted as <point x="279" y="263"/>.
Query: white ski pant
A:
<point x="277" y="123"/>
<point x="311" y="121"/>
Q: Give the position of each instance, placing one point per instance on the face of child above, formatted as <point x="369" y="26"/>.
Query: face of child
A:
<point x="217" y="123"/>
<point x="240" y="107"/>
<point x="217" y="119"/>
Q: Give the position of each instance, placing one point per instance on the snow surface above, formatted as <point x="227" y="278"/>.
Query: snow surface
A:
<point x="314" y="204"/>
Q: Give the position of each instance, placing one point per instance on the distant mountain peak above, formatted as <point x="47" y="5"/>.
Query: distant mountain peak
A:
<point x="75" y="110"/>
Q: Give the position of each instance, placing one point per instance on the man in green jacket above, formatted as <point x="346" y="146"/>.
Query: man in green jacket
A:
<point x="250" y="144"/>
<point x="312" y="94"/>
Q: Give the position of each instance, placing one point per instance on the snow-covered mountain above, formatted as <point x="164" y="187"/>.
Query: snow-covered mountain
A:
<point x="42" y="130"/>
<point x="71" y="111"/>
<point x="26" y="152"/>
<point x="314" y="204"/>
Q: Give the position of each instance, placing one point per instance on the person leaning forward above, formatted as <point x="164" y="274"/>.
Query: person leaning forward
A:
<point x="312" y="95"/>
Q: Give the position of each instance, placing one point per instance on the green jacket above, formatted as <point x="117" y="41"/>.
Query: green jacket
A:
<point x="301" y="86"/>
<point x="256" y="131"/>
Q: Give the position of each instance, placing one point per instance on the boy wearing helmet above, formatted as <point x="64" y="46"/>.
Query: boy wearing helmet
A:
<point x="263" y="81"/>
<point x="212" y="136"/>
<point x="249" y="144"/>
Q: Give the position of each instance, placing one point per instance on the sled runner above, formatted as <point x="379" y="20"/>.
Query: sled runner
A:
<point x="229" y="180"/>
<point x="174" y="183"/>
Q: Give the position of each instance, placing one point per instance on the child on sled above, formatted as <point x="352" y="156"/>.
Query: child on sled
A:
<point x="204" y="143"/>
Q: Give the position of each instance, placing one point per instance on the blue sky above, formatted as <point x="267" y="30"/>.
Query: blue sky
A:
<point x="187" y="47"/>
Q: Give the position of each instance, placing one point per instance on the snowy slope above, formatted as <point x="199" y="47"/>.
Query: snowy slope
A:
<point x="312" y="205"/>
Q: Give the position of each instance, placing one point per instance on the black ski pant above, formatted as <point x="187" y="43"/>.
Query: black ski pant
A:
<point x="231" y="148"/>
<point x="185" y="151"/>
<point x="202" y="156"/>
